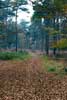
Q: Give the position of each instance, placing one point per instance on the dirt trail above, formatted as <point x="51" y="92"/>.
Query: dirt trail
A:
<point x="26" y="80"/>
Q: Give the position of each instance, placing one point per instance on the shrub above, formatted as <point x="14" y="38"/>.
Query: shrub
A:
<point x="13" y="55"/>
<point x="51" y="69"/>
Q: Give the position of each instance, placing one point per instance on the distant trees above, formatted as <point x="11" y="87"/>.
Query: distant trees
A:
<point x="35" y="35"/>
<point x="48" y="29"/>
<point x="9" y="9"/>
<point x="53" y="13"/>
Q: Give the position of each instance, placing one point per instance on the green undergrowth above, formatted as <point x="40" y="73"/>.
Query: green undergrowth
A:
<point x="14" y="55"/>
<point x="54" y="66"/>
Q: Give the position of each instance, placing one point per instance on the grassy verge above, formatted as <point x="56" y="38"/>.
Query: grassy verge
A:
<point x="14" y="55"/>
<point x="54" y="66"/>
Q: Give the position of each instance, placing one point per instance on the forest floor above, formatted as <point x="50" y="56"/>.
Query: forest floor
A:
<point x="28" y="80"/>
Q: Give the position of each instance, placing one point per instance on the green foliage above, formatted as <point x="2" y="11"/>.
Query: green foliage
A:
<point x="52" y="31"/>
<point x="14" y="55"/>
<point x="51" y="69"/>
<point x="51" y="65"/>
<point x="61" y="44"/>
<point x="58" y="5"/>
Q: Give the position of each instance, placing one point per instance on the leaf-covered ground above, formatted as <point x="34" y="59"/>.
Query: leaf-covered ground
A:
<point x="27" y="80"/>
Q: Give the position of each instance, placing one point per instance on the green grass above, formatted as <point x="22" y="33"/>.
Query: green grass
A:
<point x="53" y="66"/>
<point x="14" y="55"/>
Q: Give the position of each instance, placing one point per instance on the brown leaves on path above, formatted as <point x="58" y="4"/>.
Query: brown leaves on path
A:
<point x="27" y="80"/>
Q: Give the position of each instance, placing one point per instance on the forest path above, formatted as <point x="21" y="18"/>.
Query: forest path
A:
<point x="27" y="80"/>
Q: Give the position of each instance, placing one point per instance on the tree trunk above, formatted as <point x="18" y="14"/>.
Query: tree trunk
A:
<point x="16" y="33"/>
<point x="47" y="23"/>
<point x="54" y="38"/>
<point x="47" y="44"/>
